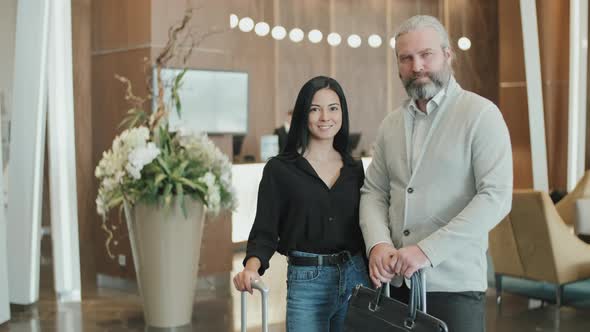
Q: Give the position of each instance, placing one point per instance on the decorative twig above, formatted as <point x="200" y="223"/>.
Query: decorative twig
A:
<point x="134" y="100"/>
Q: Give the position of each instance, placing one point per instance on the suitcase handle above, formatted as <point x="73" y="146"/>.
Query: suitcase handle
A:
<point x="259" y="285"/>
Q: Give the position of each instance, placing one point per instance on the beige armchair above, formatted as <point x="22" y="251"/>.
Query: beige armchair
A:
<point x="532" y="242"/>
<point x="566" y="207"/>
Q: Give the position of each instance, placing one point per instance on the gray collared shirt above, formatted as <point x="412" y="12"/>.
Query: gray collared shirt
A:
<point x="418" y="125"/>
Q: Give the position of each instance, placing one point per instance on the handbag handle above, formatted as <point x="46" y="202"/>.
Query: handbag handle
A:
<point x="415" y="298"/>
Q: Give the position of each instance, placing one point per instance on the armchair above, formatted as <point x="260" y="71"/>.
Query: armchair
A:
<point x="534" y="243"/>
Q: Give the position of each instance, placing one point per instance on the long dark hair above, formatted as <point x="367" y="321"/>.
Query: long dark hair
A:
<point x="298" y="138"/>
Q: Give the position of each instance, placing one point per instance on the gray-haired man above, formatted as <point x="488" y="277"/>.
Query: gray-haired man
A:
<point x="440" y="180"/>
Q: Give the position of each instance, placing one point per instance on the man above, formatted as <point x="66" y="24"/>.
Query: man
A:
<point x="440" y="180"/>
<point x="283" y="131"/>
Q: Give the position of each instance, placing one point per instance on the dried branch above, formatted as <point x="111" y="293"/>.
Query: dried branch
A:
<point x="179" y="36"/>
<point x="131" y="98"/>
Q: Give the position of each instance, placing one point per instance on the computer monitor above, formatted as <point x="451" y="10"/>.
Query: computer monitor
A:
<point x="213" y="101"/>
<point x="353" y="140"/>
<point x="237" y="141"/>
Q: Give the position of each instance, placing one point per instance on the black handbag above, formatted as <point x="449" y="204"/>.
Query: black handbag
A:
<point x="370" y="310"/>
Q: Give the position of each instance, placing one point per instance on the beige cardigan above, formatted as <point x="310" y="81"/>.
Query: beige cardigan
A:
<point x="460" y="189"/>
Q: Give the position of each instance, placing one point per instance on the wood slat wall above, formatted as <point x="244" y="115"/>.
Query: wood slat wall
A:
<point x="553" y="18"/>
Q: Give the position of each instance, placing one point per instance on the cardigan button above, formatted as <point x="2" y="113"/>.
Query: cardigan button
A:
<point x="406" y="232"/>
<point x="410" y="190"/>
<point x="331" y="218"/>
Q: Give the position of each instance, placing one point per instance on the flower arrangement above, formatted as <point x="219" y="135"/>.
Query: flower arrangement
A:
<point x="151" y="161"/>
<point x="155" y="166"/>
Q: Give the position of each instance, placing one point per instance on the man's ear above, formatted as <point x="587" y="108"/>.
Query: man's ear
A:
<point x="448" y="55"/>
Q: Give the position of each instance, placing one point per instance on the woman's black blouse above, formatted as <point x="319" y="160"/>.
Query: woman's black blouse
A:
<point x="297" y="211"/>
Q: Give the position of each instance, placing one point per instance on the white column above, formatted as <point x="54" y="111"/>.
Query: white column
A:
<point x="62" y="154"/>
<point x="576" y="147"/>
<point x="26" y="151"/>
<point x="4" y="307"/>
<point x="532" y="63"/>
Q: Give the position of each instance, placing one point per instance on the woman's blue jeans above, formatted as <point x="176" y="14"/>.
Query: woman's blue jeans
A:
<point x="317" y="296"/>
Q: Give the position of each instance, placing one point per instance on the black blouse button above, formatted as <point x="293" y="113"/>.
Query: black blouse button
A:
<point x="406" y="232"/>
<point x="410" y="190"/>
<point x="331" y="218"/>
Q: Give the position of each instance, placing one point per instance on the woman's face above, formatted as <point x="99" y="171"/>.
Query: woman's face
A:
<point x="325" y="115"/>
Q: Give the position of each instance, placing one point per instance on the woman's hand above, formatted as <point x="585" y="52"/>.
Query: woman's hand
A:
<point x="243" y="280"/>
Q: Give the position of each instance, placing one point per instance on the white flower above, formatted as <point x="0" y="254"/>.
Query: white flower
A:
<point x="177" y="126"/>
<point x="208" y="179"/>
<point x="100" y="205"/>
<point x="140" y="157"/>
<point x="214" y="198"/>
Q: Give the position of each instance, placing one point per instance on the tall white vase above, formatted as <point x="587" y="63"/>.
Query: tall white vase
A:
<point x="166" y="248"/>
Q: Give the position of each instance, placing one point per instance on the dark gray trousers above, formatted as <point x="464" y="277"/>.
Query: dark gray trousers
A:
<point x="462" y="312"/>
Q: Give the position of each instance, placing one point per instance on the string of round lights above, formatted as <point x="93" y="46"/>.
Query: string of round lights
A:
<point x="315" y="36"/>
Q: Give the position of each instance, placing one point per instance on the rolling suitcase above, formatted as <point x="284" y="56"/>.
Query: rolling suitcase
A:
<point x="373" y="310"/>
<point x="259" y="285"/>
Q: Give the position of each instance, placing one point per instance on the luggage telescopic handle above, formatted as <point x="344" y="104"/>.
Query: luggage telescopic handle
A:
<point x="259" y="285"/>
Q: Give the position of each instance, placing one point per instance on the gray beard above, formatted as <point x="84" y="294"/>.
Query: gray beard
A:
<point x="425" y="91"/>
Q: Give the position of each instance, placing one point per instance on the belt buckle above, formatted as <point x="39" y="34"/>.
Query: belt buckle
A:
<point x="336" y="259"/>
<point x="340" y="258"/>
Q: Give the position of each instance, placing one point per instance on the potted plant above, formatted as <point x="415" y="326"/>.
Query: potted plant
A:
<point x="164" y="179"/>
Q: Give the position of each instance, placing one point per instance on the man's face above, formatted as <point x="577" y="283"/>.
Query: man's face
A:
<point x="424" y="66"/>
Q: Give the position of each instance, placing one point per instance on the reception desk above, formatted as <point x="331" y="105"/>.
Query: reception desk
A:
<point x="245" y="178"/>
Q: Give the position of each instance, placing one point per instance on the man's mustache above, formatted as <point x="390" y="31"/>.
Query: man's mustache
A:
<point x="420" y="75"/>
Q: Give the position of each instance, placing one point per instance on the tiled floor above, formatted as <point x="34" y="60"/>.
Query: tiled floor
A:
<point x="217" y="309"/>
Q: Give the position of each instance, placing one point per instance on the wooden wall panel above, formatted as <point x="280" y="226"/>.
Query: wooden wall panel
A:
<point x="481" y="27"/>
<point x="554" y="44"/>
<point x="513" y="105"/>
<point x="255" y="55"/>
<point x="86" y="185"/>
<point x="363" y="72"/>
<point x="513" y="96"/>
<point x="120" y="24"/>
<point x="553" y="18"/>
<point x="296" y="63"/>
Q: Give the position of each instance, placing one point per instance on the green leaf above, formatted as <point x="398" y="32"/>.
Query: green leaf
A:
<point x="164" y="165"/>
<point x="167" y="194"/>
<point x="175" y="87"/>
<point x="159" y="178"/>
<point x="135" y="116"/>
<point x="180" y="197"/>
<point x="179" y="171"/>
<point x="193" y="185"/>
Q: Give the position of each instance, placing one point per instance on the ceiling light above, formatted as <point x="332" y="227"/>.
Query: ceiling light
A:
<point x="374" y="41"/>
<point x="464" y="43"/>
<point x="392" y="42"/>
<point x="334" y="39"/>
<point x="354" y="41"/>
<point x="246" y="24"/>
<point x="233" y="21"/>
<point x="262" y="29"/>
<point x="278" y="33"/>
<point x="315" y="36"/>
<point x="296" y="35"/>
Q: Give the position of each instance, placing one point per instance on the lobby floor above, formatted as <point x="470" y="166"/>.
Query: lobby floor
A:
<point x="217" y="309"/>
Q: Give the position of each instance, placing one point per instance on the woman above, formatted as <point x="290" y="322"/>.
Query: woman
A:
<point x="308" y="203"/>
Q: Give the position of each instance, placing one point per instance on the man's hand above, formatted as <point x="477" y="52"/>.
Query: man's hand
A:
<point x="408" y="260"/>
<point x="380" y="263"/>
